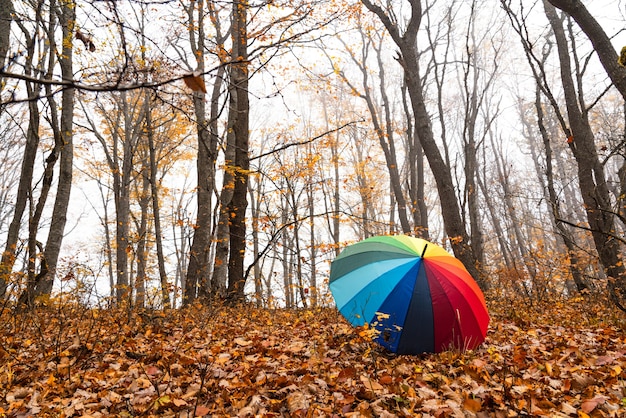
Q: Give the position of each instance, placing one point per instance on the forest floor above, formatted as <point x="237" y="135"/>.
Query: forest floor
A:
<point x="558" y="359"/>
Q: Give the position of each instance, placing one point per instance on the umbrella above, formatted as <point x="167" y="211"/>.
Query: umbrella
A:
<point x="416" y="295"/>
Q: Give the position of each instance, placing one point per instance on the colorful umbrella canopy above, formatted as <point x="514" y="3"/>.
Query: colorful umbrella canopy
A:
<point x="414" y="293"/>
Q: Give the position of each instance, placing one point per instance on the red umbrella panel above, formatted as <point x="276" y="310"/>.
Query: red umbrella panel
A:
<point x="417" y="295"/>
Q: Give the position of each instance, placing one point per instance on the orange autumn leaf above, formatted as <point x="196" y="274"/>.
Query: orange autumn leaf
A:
<point x="202" y="411"/>
<point x="472" y="405"/>
<point x="195" y="82"/>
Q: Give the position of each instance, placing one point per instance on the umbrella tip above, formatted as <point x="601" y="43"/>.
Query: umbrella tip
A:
<point x="424" y="250"/>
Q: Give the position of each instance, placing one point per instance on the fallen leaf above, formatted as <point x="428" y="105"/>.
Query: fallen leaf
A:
<point x="589" y="405"/>
<point x="371" y="384"/>
<point x="385" y="379"/>
<point x="346" y="373"/>
<point x="297" y="401"/>
<point x="179" y="402"/>
<point x="152" y="370"/>
<point x="567" y="408"/>
<point x="472" y="405"/>
<point x="195" y="82"/>
<point x="201" y="411"/>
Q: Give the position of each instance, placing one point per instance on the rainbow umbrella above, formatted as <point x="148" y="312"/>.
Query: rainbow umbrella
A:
<point x="417" y="296"/>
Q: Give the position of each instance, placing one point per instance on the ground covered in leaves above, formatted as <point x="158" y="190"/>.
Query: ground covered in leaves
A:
<point x="565" y="358"/>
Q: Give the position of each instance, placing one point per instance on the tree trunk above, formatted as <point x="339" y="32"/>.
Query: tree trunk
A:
<point x="66" y="17"/>
<point x="108" y="248"/>
<point x="255" y="203"/>
<point x="387" y="140"/>
<point x="313" y="290"/>
<point x="141" y="256"/>
<point x="199" y="279"/>
<point x="239" y="202"/>
<point x="453" y="223"/>
<point x="222" y="241"/>
<point x="154" y="194"/>
<point x="364" y="185"/>
<point x="286" y="245"/>
<point x="496" y="222"/>
<point x="199" y="251"/>
<point x="474" y="99"/>
<point x="553" y="199"/>
<point x="601" y="42"/>
<point x="122" y="206"/>
<point x="23" y="192"/>
<point x="591" y="178"/>
<point x="28" y="296"/>
<point x="28" y="163"/>
<point x="384" y="133"/>
<point x="419" y="209"/>
<point x="6" y="17"/>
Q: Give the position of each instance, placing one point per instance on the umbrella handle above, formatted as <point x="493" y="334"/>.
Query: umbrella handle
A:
<point x="424" y="250"/>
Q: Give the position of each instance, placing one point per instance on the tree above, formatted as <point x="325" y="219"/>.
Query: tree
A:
<point x="477" y="87"/>
<point x="380" y="115"/>
<point x="63" y="16"/>
<point x="9" y="159"/>
<point x="124" y="125"/>
<point x="156" y="213"/>
<point x="198" y="279"/>
<point x="576" y="129"/>
<point x="63" y="132"/>
<point x="554" y="200"/>
<point x="591" y="176"/>
<point x="6" y="17"/>
<point x="408" y="58"/>
<point x="601" y="42"/>
<point x="29" y="154"/>
<point x="240" y="107"/>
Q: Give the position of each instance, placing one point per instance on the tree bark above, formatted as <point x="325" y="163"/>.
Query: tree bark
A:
<point x="122" y="203"/>
<point x="219" y="278"/>
<point x="28" y="162"/>
<point x="66" y="16"/>
<point x="310" y="190"/>
<point x="154" y="197"/>
<point x="198" y="270"/>
<point x="6" y="17"/>
<point x="141" y="255"/>
<point x="419" y="209"/>
<point x="239" y="202"/>
<point x="28" y="296"/>
<point x="255" y="204"/>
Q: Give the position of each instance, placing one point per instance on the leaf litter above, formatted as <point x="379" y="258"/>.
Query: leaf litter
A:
<point x="67" y="361"/>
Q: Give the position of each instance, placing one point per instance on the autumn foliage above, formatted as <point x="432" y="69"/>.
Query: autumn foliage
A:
<point x="565" y="358"/>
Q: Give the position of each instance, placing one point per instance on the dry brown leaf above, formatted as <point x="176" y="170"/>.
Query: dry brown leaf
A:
<point x="86" y="40"/>
<point x="472" y="405"/>
<point x="202" y="410"/>
<point x="589" y="405"/>
<point x="297" y="401"/>
<point x="195" y="82"/>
